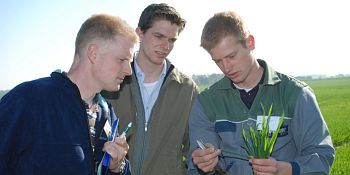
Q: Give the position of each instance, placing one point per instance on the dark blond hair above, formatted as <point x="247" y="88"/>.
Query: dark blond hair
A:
<point x="103" y="26"/>
<point x="221" y="25"/>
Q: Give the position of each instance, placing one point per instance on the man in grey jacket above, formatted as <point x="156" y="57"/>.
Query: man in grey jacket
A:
<point x="157" y="98"/>
<point x="303" y="144"/>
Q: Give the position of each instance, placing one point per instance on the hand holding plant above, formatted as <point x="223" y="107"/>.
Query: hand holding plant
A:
<point x="259" y="145"/>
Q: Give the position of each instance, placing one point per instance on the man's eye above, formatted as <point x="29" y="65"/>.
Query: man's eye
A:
<point x="158" y="36"/>
<point x="172" y="40"/>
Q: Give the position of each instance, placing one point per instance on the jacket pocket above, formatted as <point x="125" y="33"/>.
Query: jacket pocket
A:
<point x="284" y="136"/>
<point x="229" y="133"/>
<point x="285" y="142"/>
<point x="60" y="159"/>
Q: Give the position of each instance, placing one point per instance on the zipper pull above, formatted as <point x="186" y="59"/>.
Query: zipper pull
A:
<point x="145" y="126"/>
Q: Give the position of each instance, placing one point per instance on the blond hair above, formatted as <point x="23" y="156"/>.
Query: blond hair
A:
<point x="221" y="25"/>
<point x="103" y="26"/>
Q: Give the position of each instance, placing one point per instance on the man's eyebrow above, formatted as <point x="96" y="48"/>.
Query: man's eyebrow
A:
<point x="158" y="33"/>
<point x="231" y="53"/>
<point x="162" y="35"/>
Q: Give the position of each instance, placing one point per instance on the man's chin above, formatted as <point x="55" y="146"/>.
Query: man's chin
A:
<point x="118" y="88"/>
<point x="114" y="89"/>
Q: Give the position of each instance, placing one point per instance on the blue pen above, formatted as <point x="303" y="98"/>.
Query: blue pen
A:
<point x="106" y="157"/>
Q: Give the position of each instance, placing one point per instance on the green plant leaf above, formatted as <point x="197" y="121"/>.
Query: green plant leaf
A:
<point x="275" y="134"/>
<point x="239" y="156"/>
<point x="259" y="145"/>
<point x="247" y="146"/>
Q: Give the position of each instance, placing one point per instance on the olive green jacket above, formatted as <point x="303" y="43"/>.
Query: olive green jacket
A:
<point x="162" y="148"/>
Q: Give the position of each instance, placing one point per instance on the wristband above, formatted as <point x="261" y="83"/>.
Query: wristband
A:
<point x="295" y="168"/>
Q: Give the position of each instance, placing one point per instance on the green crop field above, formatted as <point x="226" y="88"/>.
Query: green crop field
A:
<point x="333" y="96"/>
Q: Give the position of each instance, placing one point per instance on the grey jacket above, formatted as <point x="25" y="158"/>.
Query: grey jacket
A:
<point x="162" y="148"/>
<point x="219" y="114"/>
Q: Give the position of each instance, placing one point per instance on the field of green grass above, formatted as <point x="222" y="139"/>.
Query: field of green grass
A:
<point x="333" y="96"/>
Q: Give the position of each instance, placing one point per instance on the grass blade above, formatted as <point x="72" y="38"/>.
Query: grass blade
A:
<point x="259" y="145"/>
<point x="275" y="134"/>
<point x="238" y="156"/>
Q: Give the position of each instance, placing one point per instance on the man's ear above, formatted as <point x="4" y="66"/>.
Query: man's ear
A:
<point x="92" y="52"/>
<point x="139" y="33"/>
<point x="251" y="42"/>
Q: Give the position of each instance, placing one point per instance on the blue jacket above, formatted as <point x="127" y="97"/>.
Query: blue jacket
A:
<point x="44" y="129"/>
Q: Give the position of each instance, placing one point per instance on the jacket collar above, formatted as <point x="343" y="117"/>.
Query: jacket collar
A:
<point x="270" y="77"/>
<point x="171" y="72"/>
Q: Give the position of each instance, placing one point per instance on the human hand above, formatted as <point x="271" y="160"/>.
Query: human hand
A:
<point x="117" y="150"/>
<point x="206" y="159"/>
<point x="270" y="166"/>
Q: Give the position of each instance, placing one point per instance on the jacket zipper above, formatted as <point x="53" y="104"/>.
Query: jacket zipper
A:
<point x="145" y="135"/>
<point x="140" y="163"/>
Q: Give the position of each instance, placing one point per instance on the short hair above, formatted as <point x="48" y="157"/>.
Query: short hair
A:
<point x="221" y="25"/>
<point x="103" y="26"/>
<point x="160" y="11"/>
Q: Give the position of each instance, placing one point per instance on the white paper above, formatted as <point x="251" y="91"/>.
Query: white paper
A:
<point x="273" y="124"/>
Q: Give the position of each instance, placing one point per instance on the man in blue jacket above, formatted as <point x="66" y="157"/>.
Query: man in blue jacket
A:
<point x="58" y="124"/>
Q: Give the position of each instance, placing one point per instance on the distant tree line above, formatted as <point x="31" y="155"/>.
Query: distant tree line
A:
<point x="321" y="76"/>
<point x="2" y="93"/>
<point x="204" y="81"/>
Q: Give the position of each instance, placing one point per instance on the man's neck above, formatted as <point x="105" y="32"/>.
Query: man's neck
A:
<point x="253" y="78"/>
<point x="86" y="89"/>
<point x="152" y="71"/>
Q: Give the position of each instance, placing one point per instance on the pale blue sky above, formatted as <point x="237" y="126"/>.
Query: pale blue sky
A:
<point x="297" y="37"/>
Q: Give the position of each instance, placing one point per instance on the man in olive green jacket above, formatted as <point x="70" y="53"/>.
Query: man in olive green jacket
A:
<point x="157" y="98"/>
